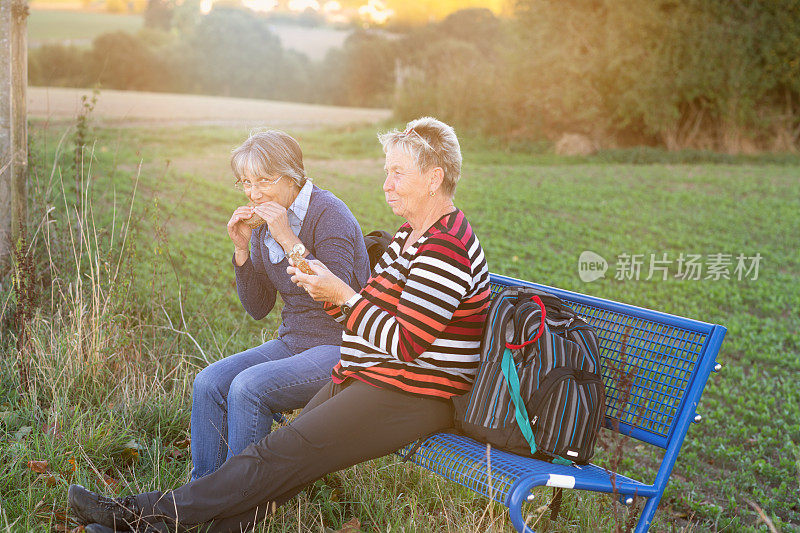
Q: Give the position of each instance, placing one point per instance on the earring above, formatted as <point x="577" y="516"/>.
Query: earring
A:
<point x="431" y="193"/>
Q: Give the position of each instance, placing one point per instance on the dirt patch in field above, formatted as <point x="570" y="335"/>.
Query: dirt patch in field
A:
<point x="131" y="108"/>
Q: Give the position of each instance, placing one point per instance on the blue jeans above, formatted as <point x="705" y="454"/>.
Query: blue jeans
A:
<point x="235" y="399"/>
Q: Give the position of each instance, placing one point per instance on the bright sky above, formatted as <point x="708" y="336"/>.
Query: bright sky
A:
<point x="427" y="10"/>
<point x="378" y="11"/>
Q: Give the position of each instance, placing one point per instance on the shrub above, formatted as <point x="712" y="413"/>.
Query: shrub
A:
<point x="456" y="70"/>
<point x="57" y="65"/>
<point x="700" y="72"/>
<point x="122" y="61"/>
<point x="234" y="53"/>
<point x="449" y="81"/>
<point x="705" y="74"/>
<point x="362" y="73"/>
<point x="158" y="14"/>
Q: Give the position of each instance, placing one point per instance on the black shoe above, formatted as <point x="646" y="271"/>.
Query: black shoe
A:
<point x="121" y="514"/>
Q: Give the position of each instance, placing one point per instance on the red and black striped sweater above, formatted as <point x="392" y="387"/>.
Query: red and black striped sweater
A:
<point x="417" y="324"/>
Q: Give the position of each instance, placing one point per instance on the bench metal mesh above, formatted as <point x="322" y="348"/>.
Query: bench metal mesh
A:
<point x="647" y="366"/>
<point x="464" y="461"/>
<point x="650" y="363"/>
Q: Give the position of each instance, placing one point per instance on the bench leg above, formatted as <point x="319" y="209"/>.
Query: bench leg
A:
<point x="519" y="495"/>
<point x="648" y="513"/>
<point x="522" y="488"/>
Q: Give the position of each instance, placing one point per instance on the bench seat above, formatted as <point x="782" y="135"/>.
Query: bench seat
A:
<point x="463" y="460"/>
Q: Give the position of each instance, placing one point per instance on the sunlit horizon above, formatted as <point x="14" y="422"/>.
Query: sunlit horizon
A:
<point x="377" y="12"/>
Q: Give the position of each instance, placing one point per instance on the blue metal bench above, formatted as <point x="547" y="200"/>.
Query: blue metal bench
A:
<point x="667" y="360"/>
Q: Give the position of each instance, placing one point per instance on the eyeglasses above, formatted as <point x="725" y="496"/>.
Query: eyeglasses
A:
<point x="262" y="184"/>
<point x="409" y="131"/>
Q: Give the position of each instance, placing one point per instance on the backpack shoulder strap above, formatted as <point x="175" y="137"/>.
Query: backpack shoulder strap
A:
<point x="521" y="414"/>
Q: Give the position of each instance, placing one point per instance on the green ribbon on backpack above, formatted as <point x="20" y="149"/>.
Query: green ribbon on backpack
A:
<point x="512" y="378"/>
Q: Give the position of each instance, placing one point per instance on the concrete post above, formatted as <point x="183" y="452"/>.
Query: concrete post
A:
<point x="19" y="117"/>
<point x="13" y="124"/>
<point x="6" y="169"/>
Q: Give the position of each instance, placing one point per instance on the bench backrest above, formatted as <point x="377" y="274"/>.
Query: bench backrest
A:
<point x="654" y="365"/>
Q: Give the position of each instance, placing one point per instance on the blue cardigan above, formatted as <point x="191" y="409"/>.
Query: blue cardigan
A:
<point x="331" y="234"/>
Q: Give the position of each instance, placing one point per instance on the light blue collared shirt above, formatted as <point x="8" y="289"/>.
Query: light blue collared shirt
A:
<point x="296" y="213"/>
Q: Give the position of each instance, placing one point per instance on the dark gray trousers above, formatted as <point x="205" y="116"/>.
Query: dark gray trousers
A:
<point x="341" y="426"/>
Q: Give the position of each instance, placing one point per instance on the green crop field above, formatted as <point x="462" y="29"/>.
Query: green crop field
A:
<point x="48" y="26"/>
<point x="129" y="307"/>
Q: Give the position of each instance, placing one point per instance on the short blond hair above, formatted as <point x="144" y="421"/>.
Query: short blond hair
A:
<point x="433" y="144"/>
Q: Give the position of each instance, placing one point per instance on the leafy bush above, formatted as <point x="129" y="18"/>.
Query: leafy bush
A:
<point x="122" y="61"/>
<point x="56" y="65"/>
<point x="455" y="71"/>
<point x="158" y="14"/>
<point x="713" y="75"/>
<point x="233" y="52"/>
<point x="696" y="73"/>
<point x="448" y="81"/>
<point x="116" y="60"/>
<point x="361" y="73"/>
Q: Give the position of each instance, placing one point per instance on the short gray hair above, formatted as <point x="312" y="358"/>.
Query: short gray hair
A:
<point x="269" y="153"/>
<point x="433" y="143"/>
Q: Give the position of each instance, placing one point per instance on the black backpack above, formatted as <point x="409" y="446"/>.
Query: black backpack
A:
<point x="536" y="349"/>
<point x="376" y="242"/>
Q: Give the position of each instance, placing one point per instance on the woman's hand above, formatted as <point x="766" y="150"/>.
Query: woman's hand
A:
<point x="323" y="285"/>
<point x="274" y="214"/>
<point x="238" y="230"/>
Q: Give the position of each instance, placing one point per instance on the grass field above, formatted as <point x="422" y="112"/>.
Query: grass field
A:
<point x="124" y="319"/>
<point x="48" y="26"/>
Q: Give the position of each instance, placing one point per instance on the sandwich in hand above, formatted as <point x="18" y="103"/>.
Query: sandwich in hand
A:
<point x="254" y="221"/>
<point x="298" y="259"/>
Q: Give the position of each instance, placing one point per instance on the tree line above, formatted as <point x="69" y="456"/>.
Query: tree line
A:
<point x="709" y="74"/>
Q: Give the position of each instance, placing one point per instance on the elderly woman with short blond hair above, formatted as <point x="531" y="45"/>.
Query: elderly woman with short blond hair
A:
<point x="411" y="342"/>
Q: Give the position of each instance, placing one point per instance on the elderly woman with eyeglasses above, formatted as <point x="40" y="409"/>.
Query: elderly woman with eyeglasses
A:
<point x="234" y="399"/>
<point x="411" y="342"/>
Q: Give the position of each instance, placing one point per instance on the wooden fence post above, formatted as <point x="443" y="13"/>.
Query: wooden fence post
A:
<point x="13" y="124"/>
